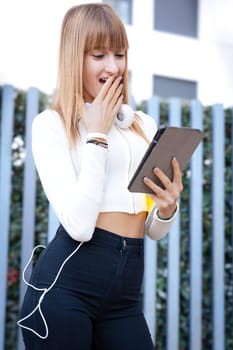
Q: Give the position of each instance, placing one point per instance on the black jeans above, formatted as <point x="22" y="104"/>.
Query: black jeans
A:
<point x="95" y="303"/>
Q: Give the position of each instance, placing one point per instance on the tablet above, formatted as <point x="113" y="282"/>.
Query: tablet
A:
<point x="168" y="142"/>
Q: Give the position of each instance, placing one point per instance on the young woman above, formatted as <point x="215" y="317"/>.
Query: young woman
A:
<point x="85" y="288"/>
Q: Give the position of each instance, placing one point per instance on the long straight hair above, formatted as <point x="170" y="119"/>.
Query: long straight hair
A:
<point x="85" y="28"/>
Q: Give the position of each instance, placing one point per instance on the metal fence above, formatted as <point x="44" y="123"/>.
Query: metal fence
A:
<point x="151" y="251"/>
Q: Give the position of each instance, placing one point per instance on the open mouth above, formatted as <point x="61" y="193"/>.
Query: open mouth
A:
<point x="103" y="80"/>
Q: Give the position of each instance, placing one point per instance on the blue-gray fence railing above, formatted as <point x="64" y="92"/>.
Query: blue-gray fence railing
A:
<point x="5" y="195"/>
<point x="151" y="254"/>
<point x="218" y="226"/>
<point x="196" y="224"/>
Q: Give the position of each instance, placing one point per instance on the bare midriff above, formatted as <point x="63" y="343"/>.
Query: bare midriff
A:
<point x="123" y="224"/>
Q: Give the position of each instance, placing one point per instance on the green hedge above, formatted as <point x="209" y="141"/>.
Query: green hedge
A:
<point x="41" y="228"/>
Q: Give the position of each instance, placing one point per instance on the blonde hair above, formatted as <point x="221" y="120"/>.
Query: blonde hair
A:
<point x="84" y="28"/>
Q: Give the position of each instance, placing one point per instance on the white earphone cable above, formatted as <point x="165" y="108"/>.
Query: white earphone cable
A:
<point x="45" y="291"/>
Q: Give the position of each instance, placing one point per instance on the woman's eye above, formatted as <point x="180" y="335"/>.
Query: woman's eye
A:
<point x="98" y="55"/>
<point x="120" y="55"/>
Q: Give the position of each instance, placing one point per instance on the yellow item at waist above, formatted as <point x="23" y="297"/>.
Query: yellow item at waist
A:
<point x="149" y="203"/>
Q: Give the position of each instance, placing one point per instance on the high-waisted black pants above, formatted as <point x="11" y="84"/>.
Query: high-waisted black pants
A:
<point x="95" y="303"/>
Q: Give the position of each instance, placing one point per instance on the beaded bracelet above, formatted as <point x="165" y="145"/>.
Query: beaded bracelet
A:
<point x="98" y="143"/>
<point x="96" y="135"/>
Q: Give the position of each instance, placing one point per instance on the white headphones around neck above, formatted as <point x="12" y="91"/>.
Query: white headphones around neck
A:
<point x="124" y="118"/>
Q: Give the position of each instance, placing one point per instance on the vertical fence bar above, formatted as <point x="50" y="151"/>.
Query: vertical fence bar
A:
<point x="149" y="294"/>
<point x="132" y="102"/>
<point x="53" y="224"/>
<point x="5" y="196"/>
<point x="196" y="227"/>
<point x="29" y="192"/>
<point x="232" y="193"/>
<point x="173" y="257"/>
<point x="218" y="156"/>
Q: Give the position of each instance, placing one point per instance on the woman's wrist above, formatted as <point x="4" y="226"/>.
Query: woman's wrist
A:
<point x="167" y="218"/>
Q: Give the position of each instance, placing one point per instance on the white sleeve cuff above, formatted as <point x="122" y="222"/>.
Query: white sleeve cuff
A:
<point x="157" y="228"/>
<point x="156" y="214"/>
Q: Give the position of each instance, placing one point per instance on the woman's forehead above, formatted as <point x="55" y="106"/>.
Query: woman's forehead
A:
<point x="106" y="39"/>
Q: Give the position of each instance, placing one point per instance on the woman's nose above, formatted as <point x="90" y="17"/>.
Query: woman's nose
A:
<point x="111" y="66"/>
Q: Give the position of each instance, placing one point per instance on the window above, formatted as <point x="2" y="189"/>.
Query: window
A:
<point x="177" y="16"/>
<point x="169" y="87"/>
<point x="123" y="9"/>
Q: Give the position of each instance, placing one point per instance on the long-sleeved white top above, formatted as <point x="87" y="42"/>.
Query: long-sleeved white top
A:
<point x="83" y="181"/>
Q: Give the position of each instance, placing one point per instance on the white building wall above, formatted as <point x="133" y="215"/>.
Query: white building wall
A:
<point x="206" y="60"/>
<point x="29" y="34"/>
<point x="29" y="38"/>
<point x="216" y="37"/>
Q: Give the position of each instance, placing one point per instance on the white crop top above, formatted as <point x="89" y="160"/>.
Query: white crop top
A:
<point x="88" y="179"/>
